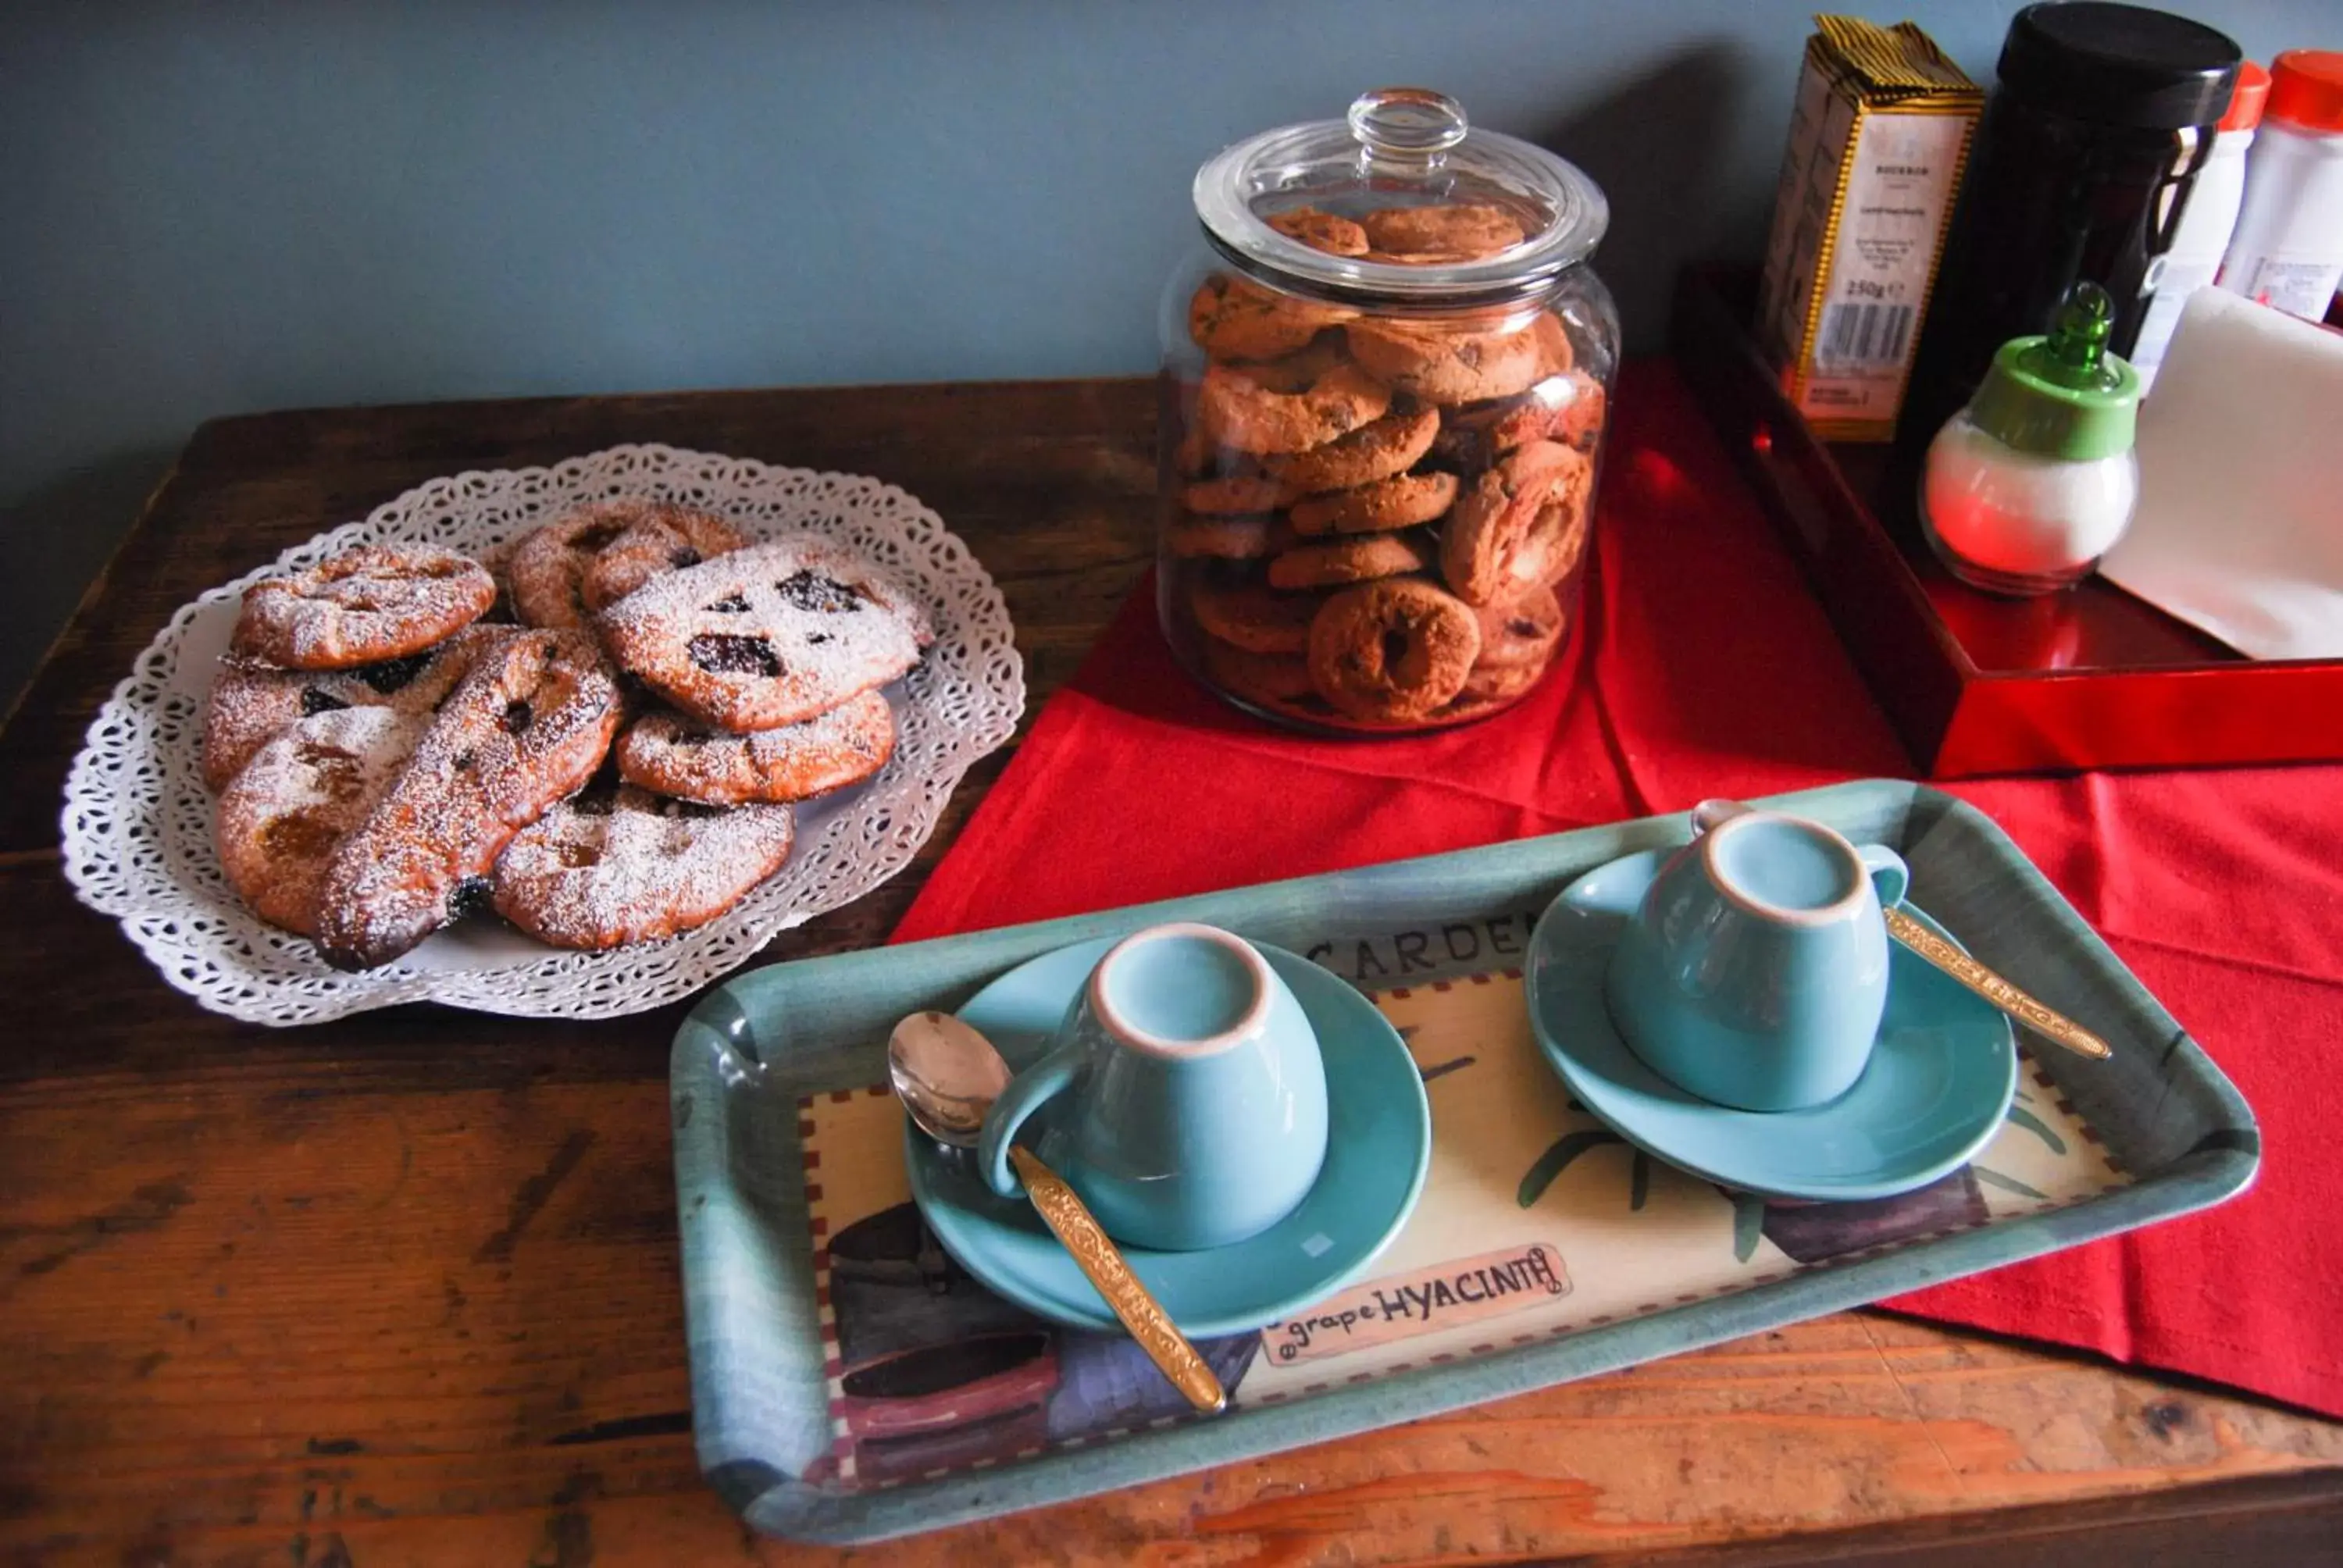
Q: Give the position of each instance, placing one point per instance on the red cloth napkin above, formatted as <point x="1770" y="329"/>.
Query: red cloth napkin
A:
<point x="1705" y="668"/>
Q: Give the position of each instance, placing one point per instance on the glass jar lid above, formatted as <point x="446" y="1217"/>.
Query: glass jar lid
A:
<point x="1399" y="146"/>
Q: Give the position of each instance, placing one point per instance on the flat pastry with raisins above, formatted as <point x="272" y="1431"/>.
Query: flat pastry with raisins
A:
<point x="669" y="754"/>
<point x="612" y="867"/>
<point x="285" y="814"/>
<point x="362" y="606"/>
<point x="768" y="636"/>
<point x="529" y="725"/>
<point x="553" y="566"/>
<point x="253" y="702"/>
<point x="667" y="540"/>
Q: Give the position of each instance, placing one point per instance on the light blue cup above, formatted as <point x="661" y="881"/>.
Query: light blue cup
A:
<point x="1187" y="1103"/>
<point x="1754" y="972"/>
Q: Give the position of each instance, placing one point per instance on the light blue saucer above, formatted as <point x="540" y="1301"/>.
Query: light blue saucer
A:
<point x="1939" y="1080"/>
<point x="1378" y="1145"/>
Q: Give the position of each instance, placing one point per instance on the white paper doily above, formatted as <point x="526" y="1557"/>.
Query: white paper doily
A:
<point x="137" y="822"/>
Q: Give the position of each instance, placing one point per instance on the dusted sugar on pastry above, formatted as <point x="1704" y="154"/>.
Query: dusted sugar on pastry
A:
<point x="547" y="566"/>
<point x="286" y="811"/>
<point x="551" y="564"/>
<point x="1392" y="650"/>
<point x="529" y="725"/>
<point x="361" y="606"/>
<point x="768" y="636"/>
<point x="253" y="702"/>
<point x="669" y="754"/>
<point x="612" y="868"/>
<point x="667" y="540"/>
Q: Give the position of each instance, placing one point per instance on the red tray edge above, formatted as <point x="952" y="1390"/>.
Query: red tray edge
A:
<point x="1957" y="719"/>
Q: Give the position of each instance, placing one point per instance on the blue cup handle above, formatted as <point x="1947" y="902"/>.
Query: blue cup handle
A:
<point x="1027" y="1093"/>
<point x="1889" y="875"/>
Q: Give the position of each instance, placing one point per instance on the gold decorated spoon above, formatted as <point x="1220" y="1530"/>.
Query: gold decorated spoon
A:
<point x="947" y="1075"/>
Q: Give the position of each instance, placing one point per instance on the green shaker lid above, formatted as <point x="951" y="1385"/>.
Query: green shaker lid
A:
<point x="2062" y="395"/>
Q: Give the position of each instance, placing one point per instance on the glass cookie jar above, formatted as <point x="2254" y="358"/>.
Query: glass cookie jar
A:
<point x="1387" y="375"/>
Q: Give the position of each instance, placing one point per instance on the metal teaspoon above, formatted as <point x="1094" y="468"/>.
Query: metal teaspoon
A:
<point x="947" y="1075"/>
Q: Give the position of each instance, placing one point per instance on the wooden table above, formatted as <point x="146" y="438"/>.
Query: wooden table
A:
<point x="402" y="1289"/>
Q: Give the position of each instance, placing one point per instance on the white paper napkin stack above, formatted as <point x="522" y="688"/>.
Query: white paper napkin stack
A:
<point x="2239" y="529"/>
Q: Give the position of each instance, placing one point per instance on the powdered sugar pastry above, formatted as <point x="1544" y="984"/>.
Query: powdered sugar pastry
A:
<point x="138" y="819"/>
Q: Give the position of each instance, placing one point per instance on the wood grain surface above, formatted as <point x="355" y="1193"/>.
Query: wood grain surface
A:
<point x="402" y="1289"/>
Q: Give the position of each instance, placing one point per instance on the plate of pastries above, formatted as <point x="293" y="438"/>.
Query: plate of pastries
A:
<point x="572" y="740"/>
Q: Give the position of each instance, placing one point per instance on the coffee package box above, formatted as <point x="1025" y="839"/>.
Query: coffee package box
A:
<point x="1879" y="135"/>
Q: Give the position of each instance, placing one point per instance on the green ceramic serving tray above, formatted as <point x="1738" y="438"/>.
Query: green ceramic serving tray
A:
<point x="756" y="1045"/>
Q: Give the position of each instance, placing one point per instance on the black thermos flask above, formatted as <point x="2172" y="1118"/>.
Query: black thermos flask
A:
<point x="2100" y="119"/>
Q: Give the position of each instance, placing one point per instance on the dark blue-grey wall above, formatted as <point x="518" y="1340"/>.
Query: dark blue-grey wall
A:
<point x="213" y="208"/>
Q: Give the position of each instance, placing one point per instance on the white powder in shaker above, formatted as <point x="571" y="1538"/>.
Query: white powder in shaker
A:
<point x="2024" y="513"/>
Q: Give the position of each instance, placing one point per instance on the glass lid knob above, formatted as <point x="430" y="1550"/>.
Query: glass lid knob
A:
<point x="1406" y="124"/>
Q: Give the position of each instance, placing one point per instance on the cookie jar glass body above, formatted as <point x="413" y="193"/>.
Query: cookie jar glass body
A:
<point x="1387" y="377"/>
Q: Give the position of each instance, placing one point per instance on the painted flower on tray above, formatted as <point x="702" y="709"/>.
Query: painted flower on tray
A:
<point x="1816" y="1232"/>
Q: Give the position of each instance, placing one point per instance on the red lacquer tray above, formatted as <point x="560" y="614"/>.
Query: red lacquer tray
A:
<point x="2092" y="677"/>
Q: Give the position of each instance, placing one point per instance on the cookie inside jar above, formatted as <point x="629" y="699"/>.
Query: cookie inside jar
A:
<point x="1387" y="376"/>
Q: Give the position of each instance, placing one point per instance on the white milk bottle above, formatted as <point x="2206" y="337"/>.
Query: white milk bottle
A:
<point x="2287" y="250"/>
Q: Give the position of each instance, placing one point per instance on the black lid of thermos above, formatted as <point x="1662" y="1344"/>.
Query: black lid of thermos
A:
<point x="2081" y="166"/>
<point x="2120" y="64"/>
